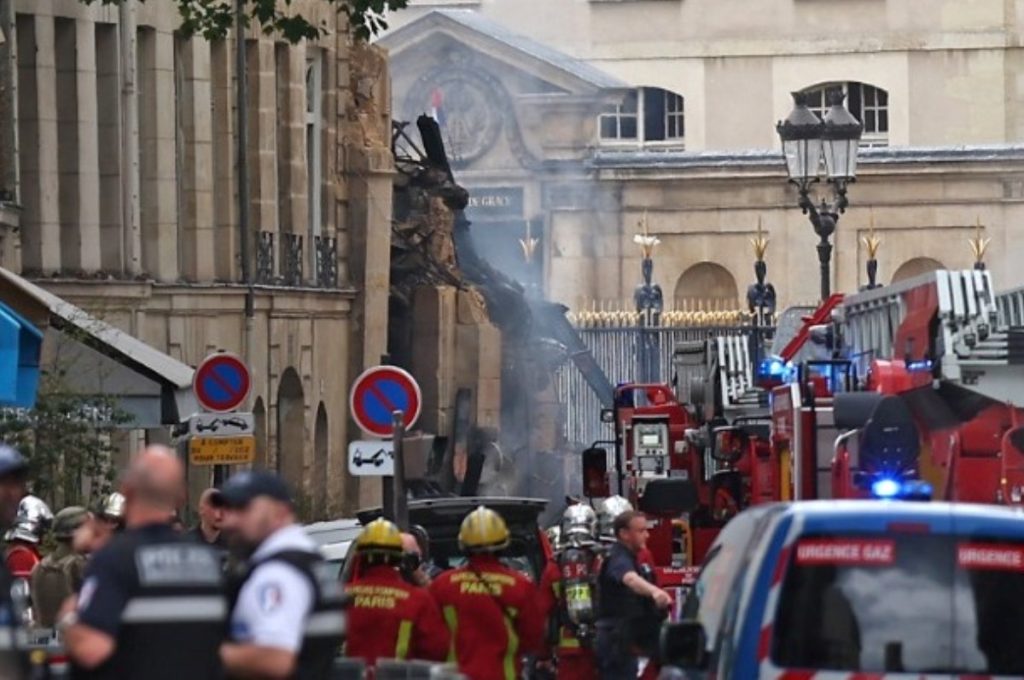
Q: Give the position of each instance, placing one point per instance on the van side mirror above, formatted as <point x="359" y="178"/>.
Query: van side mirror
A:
<point x="684" y="645"/>
<point x="595" y="473"/>
<point x="607" y="415"/>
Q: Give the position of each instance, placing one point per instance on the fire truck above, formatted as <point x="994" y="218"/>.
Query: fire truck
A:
<point x="912" y="389"/>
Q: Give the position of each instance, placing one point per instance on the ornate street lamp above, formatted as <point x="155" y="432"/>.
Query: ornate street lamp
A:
<point x="807" y="141"/>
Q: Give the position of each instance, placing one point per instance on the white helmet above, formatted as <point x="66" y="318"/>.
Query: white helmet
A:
<point x="112" y="507"/>
<point x="554" y="534"/>
<point x="579" y="522"/>
<point x="33" y="519"/>
<point x="610" y="508"/>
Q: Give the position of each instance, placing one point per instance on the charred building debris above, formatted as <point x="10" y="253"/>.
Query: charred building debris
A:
<point x="432" y="248"/>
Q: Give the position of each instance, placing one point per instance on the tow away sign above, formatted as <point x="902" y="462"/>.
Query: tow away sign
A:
<point x="221" y="424"/>
<point x="371" y="458"/>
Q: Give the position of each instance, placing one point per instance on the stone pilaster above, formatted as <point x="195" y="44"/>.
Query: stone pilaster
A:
<point x="196" y="161"/>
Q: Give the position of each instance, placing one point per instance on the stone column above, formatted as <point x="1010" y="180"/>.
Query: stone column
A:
<point x="108" y="136"/>
<point x="159" y="199"/>
<point x="225" y="189"/>
<point x="196" y="160"/>
<point x="37" y="131"/>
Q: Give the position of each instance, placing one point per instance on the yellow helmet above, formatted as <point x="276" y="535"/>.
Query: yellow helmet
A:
<point x="483" y="530"/>
<point x="380" y="535"/>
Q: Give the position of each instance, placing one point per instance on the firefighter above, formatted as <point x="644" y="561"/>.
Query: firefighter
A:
<point x="60" y="574"/>
<point x="13" y="656"/>
<point x="33" y="521"/>
<point x="491" y="611"/>
<point x="388" y="617"/>
<point x="107" y="520"/>
<point x="567" y="591"/>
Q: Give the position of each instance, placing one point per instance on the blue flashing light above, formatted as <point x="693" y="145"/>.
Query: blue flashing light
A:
<point x="920" y="365"/>
<point x="885" y="488"/>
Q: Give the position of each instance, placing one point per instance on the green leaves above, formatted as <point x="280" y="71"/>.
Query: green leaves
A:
<point x="214" y="19"/>
<point x="69" y="440"/>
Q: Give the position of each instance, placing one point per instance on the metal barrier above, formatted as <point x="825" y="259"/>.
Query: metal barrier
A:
<point x="630" y="354"/>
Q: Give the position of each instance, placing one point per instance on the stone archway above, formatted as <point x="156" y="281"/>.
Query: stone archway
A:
<point x="915" y="267"/>
<point x="706" y="284"/>
<point x="320" y="448"/>
<point x="291" y="430"/>
<point x="259" y="416"/>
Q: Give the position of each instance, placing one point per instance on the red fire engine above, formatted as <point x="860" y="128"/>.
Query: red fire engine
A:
<point x="915" y="390"/>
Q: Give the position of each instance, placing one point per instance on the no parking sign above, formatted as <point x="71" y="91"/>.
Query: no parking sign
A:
<point x="378" y="393"/>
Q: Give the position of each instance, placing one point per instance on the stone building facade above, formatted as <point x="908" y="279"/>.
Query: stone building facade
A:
<point x="124" y="168"/>
<point x="674" y="119"/>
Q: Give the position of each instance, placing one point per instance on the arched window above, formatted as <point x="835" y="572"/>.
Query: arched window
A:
<point x="645" y="115"/>
<point x="708" y="285"/>
<point x="867" y="103"/>
<point x="915" y="267"/>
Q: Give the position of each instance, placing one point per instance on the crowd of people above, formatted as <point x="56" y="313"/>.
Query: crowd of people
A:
<point x="129" y="593"/>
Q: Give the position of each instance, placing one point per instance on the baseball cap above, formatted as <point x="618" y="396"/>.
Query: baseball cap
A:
<point x="242" y="488"/>
<point x="11" y="462"/>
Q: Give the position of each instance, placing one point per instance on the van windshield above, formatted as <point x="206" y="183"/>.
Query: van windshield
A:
<point x="914" y="603"/>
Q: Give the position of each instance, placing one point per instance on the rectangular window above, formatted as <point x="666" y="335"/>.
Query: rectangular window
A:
<point x="648" y="114"/>
<point x="619" y="122"/>
<point x="283" y="138"/>
<point x="108" y="132"/>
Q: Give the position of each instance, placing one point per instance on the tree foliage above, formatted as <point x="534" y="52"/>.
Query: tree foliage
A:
<point x="68" y="438"/>
<point x="213" y="19"/>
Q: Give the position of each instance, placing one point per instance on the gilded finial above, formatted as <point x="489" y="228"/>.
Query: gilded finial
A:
<point x="978" y="244"/>
<point x="528" y="244"/>
<point x="871" y="241"/>
<point x="644" y="239"/>
<point x="759" y="242"/>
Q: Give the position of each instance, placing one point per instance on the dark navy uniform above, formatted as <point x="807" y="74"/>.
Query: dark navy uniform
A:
<point x="13" y="650"/>
<point x="289" y="599"/>
<point x="160" y="596"/>
<point x="617" y="606"/>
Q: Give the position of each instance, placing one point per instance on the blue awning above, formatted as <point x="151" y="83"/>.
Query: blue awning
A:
<point x="20" y="347"/>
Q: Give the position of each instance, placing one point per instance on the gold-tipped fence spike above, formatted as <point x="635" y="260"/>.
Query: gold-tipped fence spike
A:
<point x="871" y="241"/>
<point x="759" y="242"/>
<point x="978" y="243"/>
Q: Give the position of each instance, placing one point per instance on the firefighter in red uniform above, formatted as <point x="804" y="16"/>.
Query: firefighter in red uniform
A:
<point x="567" y="590"/>
<point x="22" y="555"/>
<point x="390" y="618"/>
<point x="492" y="611"/>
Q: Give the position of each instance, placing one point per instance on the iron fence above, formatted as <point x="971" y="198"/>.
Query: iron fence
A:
<point x="627" y="354"/>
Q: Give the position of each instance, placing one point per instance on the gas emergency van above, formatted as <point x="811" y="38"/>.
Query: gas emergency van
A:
<point x="839" y="589"/>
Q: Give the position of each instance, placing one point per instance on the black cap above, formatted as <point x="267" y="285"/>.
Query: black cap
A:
<point x="11" y="462"/>
<point x="245" y="486"/>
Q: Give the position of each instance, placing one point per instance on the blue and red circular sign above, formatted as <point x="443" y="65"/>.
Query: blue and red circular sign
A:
<point x="378" y="393"/>
<point x="221" y="383"/>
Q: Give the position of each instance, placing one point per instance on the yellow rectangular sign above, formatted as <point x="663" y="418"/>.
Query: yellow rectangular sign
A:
<point x="221" y="450"/>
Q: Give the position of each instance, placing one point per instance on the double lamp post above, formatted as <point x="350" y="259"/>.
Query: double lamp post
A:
<point x="808" y="143"/>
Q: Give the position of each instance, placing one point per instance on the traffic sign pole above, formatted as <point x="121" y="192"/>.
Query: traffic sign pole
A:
<point x="398" y="481"/>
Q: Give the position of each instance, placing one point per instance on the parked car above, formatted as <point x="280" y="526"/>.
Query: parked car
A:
<point x="334" y="538"/>
<point x="832" y="589"/>
<point x="441" y="517"/>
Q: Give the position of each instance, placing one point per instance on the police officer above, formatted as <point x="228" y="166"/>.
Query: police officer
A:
<point x="152" y="606"/>
<point x="287" y="619"/>
<point x="13" y="659"/>
<point x="61" y="573"/>
<point x="623" y="592"/>
<point x="389" y="617"/>
<point x="492" y="611"/>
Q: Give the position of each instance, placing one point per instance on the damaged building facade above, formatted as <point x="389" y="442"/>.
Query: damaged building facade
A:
<point x="571" y="124"/>
<point x="120" y="190"/>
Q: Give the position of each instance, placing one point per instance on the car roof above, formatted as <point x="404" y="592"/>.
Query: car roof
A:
<point x="449" y="509"/>
<point x="880" y="514"/>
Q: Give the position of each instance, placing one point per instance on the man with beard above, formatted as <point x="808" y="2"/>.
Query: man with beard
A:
<point x="287" y="619"/>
